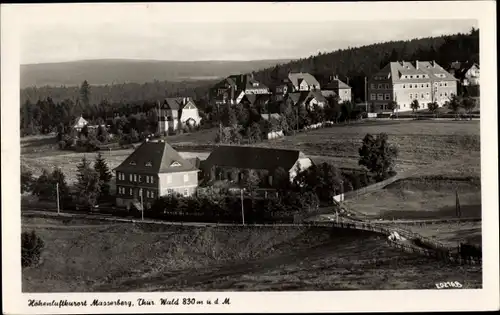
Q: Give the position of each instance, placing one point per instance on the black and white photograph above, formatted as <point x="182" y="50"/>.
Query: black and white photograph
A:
<point x="232" y="148"/>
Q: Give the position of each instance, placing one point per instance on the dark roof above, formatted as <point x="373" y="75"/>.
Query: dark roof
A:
<point x="245" y="157"/>
<point x="297" y="77"/>
<point x="160" y="155"/>
<point x="336" y="84"/>
<point x="318" y="96"/>
<point x="176" y="103"/>
<point x="298" y="98"/>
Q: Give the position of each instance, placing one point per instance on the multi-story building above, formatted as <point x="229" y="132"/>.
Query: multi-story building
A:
<point x="233" y="89"/>
<point x="154" y="169"/>
<point x="342" y="90"/>
<point x="404" y="82"/>
<point x="177" y="111"/>
<point x="298" y="82"/>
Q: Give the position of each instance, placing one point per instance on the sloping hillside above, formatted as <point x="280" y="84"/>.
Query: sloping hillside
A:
<point x="99" y="72"/>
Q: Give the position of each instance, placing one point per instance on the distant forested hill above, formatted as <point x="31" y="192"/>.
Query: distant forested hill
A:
<point x="106" y="71"/>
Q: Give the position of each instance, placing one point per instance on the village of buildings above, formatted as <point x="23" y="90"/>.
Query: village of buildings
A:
<point x="155" y="169"/>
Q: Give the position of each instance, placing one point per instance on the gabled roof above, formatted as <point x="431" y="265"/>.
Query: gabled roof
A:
<point x="394" y="71"/>
<point x="154" y="157"/>
<point x="298" y="98"/>
<point x="257" y="158"/>
<point x="176" y="103"/>
<point x="80" y="121"/>
<point x="318" y="96"/>
<point x="336" y="84"/>
<point x="297" y="77"/>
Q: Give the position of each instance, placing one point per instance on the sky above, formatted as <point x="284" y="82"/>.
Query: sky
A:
<point x="217" y="31"/>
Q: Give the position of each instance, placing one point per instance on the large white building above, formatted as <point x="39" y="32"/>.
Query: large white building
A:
<point x="404" y="82"/>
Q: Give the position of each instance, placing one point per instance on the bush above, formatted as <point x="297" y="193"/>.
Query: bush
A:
<point x="31" y="249"/>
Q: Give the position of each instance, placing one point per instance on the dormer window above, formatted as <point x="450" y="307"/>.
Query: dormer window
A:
<point x="149" y="164"/>
<point x="133" y="163"/>
<point x="175" y="164"/>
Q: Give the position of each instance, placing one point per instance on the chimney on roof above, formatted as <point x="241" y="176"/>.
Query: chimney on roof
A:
<point x="433" y="63"/>
<point x="416" y="64"/>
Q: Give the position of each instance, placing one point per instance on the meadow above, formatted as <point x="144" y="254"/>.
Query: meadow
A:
<point x="91" y="256"/>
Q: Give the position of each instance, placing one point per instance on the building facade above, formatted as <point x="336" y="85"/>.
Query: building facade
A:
<point x="231" y="162"/>
<point x="154" y="169"/>
<point x="403" y="82"/>
<point x="176" y="112"/>
<point x="342" y="90"/>
<point x="233" y="89"/>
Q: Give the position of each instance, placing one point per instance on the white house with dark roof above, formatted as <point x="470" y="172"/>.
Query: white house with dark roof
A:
<point x="301" y="81"/>
<point x="341" y="89"/>
<point x="404" y="82"/>
<point x="79" y="123"/>
<point x="154" y="169"/>
<point x="177" y="111"/>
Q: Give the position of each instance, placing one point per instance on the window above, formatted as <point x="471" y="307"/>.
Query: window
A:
<point x="387" y="96"/>
<point x="446" y="84"/>
<point x="133" y="163"/>
<point x="140" y="178"/>
<point x="427" y="95"/>
<point x="151" y="179"/>
<point x="186" y="192"/>
<point x="130" y="191"/>
<point x="135" y="177"/>
<point x="422" y="95"/>
<point x="170" y="191"/>
<point x="175" y="164"/>
<point x="440" y="94"/>
<point x="186" y="178"/>
<point x="411" y="77"/>
<point x="404" y="86"/>
<point x="380" y="97"/>
<point x="411" y="96"/>
<point x="373" y="97"/>
<point x="380" y="86"/>
<point x="427" y="85"/>
<point x="372" y="86"/>
<point x="416" y="96"/>
<point x="152" y="194"/>
<point x="147" y="193"/>
<point x="386" y="86"/>
<point x="130" y="177"/>
<point x="147" y="179"/>
<point x="149" y="164"/>
<point x="440" y="84"/>
<point x="422" y="85"/>
<point x="169" y="179"/>
<point x="445" y="94"/>
<point x="411" y="86"/>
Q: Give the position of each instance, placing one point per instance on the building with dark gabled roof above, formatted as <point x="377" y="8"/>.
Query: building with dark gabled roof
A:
<point x="155" y="169"/>
<point x="176" y="112"/>
<point x="340" y="88"/>
<point x="227" y="158"/>
<point x="233" y="89"/>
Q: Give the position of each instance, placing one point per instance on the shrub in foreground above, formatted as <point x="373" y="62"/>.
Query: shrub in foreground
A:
<point x="31" y="248"/>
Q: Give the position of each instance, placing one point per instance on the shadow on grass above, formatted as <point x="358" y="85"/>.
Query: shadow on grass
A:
<point x="448" y="212"/>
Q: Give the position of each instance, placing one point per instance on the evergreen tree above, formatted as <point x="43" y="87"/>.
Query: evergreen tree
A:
<point x="88" y="185"/>
<point x="85" y="93"/>
<point x="101" y="167"/>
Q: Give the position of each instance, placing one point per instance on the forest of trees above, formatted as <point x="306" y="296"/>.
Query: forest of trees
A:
<point x="44" y="109"/>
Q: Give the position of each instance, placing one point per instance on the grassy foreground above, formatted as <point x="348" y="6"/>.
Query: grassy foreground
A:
<point x="88" y="256"/>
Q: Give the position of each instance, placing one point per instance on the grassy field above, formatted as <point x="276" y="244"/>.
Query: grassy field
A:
<point x="450" y="234"/>
<point x="422" y="198"/>
<point x="450" y="147"/>
<point x="88" y="256"/>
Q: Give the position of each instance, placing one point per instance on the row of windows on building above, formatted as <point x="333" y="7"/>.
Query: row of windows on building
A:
<point x="410" y="86"/>
<point x="124" y="190"/>
<point x="387" y="96"/>
<point x="136" y="178"/>
<point x="148" y="178"/>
